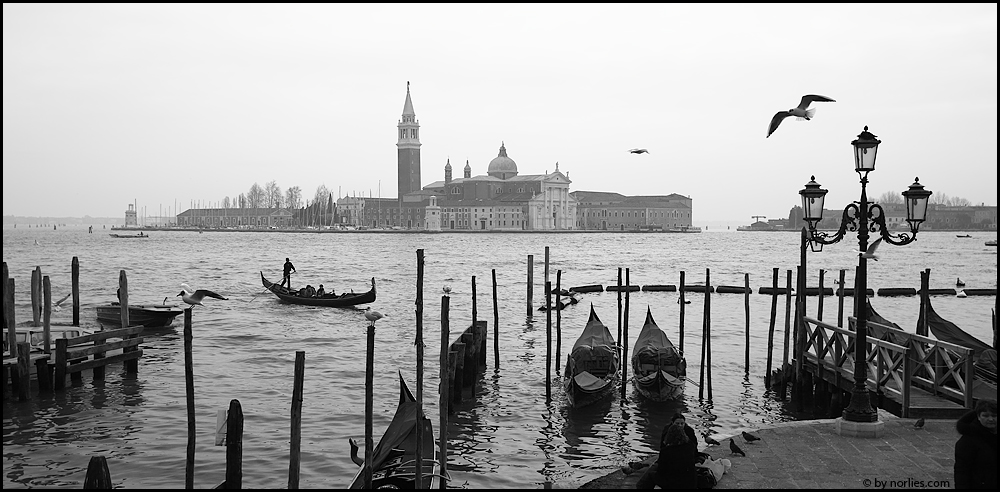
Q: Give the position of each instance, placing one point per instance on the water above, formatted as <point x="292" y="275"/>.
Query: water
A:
<point x="509" y="437"/>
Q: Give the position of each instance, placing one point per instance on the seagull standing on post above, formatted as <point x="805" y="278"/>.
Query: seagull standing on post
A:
<point x="372" y="316"/>
<point x="195" y="298"/>
<point x="799" y="111"/>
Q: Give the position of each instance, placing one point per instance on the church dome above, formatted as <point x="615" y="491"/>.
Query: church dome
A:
<point x="502" y="164"/>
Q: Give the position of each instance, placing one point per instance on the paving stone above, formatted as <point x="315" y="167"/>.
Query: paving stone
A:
<point x="812" y="455"/>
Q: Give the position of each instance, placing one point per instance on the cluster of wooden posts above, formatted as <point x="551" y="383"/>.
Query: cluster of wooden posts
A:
<point x="66" y="356"/>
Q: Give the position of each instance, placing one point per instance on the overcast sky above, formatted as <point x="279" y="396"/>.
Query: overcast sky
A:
<point x="104" y="105"/>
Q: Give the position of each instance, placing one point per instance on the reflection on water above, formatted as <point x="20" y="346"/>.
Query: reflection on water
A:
<point x="507" y="436"/>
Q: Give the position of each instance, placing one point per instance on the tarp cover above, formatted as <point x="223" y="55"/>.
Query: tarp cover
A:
<point x="653" y="345"/>
<point x="595" y="351"/>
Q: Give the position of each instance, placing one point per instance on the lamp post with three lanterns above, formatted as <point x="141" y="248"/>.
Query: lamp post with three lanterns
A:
<point x="864" y="218"/>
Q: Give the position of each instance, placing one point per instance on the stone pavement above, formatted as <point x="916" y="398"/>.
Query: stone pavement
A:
<point x="810" y="455"/>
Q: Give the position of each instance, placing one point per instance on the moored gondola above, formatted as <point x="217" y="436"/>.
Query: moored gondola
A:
<point x="592" y="366"/>
<point x="328" y="300"/>
<point x="394" y="457"/>
<point x="658" y="368"/>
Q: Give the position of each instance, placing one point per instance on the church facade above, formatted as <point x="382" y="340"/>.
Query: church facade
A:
<point x="502" y="199"/>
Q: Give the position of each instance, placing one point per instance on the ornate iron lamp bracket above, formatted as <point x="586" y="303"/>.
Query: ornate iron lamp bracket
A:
<point x="876" y="225"/>
<point x="848" y="223"/>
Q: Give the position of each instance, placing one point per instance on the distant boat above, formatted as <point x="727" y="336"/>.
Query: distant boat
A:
<point x="129" y="236"/>
<point x="991" y="242"/>
<point x="962" y="235"/>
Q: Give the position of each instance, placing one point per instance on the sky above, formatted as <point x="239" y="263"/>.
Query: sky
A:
<point x="116" y="104"/>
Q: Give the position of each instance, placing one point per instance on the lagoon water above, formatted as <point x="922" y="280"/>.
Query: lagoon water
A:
<point x="509" y="436"/>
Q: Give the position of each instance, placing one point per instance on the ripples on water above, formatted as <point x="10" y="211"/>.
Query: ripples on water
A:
<point x="508" y="436"/>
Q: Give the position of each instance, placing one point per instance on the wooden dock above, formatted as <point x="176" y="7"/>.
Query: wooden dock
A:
<point x="908" y="375"/>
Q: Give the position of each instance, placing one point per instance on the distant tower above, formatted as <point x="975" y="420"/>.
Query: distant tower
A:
<point x="447" y="172"/>
<point x="408" y="150"/>
<point x="130" y="217"/>
<point x="467" y="173"/>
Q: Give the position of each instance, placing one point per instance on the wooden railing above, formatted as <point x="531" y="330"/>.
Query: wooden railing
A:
<point x="73" y="354"/>
<point x="938" y="367"/>
<point x="832" y="348"/>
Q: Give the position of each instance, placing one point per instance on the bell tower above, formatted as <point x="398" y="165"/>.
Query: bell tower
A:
<point x="408" y="150"/>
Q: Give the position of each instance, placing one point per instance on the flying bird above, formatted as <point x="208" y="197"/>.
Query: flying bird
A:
<point x="799" y="111"/>
<point x="58" y="303"/>
<point x="639" y="151"/>
<point x="919" y="424"/>
<point x="748" y="437"/>
<point x="195" y="298"/>
<point x="710" y="441"/>
<point x="870" y="253"/>
<point x="735" y="448"/>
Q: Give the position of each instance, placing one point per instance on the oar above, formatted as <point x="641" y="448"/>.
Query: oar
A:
<point x="267" y="289"/>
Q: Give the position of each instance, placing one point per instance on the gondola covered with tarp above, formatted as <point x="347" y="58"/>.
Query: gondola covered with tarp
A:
<point x="659" y="371"/>
<point x="592" y="366"/>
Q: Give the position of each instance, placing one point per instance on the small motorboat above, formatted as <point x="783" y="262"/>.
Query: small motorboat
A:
<point x="147" y="315"/>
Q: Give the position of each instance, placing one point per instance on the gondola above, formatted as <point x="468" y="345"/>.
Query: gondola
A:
<point x="148" y="315"/>
<point x="394" y="457"/>
<point x="659" y="371"/>
<point x="592" y="366"/>
<point x="329" y="300"/>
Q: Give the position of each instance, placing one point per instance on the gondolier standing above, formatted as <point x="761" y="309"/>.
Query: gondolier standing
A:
<point x="287" y="278"/>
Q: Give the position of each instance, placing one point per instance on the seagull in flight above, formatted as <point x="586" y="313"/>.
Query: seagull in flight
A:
<point x="870" y="254"/>
<point x="195" y="298"/>
<point x="58" y="303"/>
<point x="799" y="111"/>
<point x="639" y="151"/>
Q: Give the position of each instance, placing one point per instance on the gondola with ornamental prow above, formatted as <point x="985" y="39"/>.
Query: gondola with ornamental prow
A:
<point x="326" y="300"/>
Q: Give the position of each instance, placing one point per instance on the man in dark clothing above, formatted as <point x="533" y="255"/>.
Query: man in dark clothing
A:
<point x="650" y="477"/>
<point x="286" y="280"/>
<point x="976" y="450"/>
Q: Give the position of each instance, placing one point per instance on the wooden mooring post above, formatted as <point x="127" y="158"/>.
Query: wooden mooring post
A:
<point x="746" y="309"/>
<point x="234" y="446"/>
<point x="443" y="403"/>
<point x="419" y="343"/>
<point x="785" y="372"/>
<point x="558" y="319"/>
<point x="680" y="300"/>
<point x="840" y="301"/>
<point x="708" y="328"/>
<point x="819" y="302"/>
<point x="531" y="281"/>
<point x="75" y="275"/>
<point x="189" y="387"/>
<point x="548" y="341"/>
<point x="496" y="324"/>
<point x="624" y="339"/>
<point x="770" y="329"/>
<point x="295" y="451"/>
<point x="619" y="305"/>
<point x="36" y="303"/>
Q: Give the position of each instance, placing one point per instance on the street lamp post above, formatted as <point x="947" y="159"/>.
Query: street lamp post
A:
<point x="864" y="218"/>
